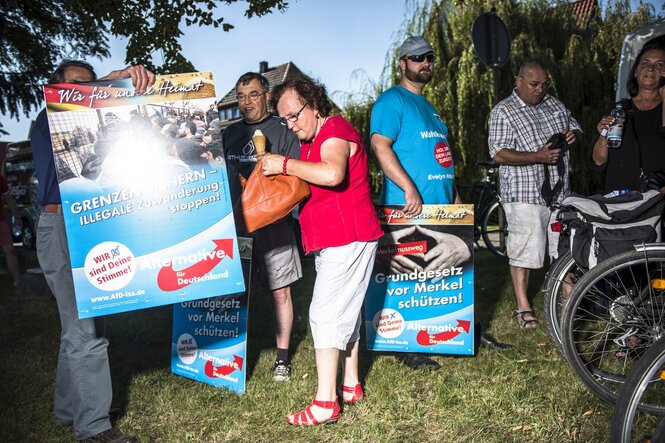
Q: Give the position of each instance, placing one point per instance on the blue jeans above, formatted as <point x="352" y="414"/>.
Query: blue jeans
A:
<point x="83" y="390"/>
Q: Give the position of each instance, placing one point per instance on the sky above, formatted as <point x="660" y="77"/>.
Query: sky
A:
<point x="332" y="41"/>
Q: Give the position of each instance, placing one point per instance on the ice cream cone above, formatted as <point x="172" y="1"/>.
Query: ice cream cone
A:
<point x="259" y="141"/>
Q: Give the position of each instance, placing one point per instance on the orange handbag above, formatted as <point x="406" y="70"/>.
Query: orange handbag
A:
<point x="266" y="199"/>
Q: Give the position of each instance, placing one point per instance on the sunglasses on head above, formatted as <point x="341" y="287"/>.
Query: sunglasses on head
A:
<point x="421" y="58"/>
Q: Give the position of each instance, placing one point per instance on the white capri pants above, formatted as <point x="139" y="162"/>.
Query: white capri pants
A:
<point x="342" y="276"/>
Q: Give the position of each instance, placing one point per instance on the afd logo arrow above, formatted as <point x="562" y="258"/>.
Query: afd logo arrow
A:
<point x="213" y="371"/>
<point x="169" y="279"/>
<point x="424" y="338"/>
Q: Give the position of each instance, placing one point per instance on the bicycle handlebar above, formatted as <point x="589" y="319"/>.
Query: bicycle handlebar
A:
<point x="489" y="165"/>
<point x="474" y="185"/>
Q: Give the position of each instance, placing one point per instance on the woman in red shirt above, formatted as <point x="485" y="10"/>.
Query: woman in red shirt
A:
<point x="339" y="226"/>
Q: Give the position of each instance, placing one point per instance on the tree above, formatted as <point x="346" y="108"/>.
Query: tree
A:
<point x="35" y="36"/>
<point x="582" y="59"/>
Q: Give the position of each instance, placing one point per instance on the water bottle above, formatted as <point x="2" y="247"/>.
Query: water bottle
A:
<point x="615" y="131"/>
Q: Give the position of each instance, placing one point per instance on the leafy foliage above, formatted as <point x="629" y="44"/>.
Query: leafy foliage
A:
<point x="36" y="36"/>
<point x="582" y="59"/>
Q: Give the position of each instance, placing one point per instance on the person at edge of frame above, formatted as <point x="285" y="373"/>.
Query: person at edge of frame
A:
<point x="641" y="147"/>
<point x="6" y="239"/>
<point x="83" y="392"/>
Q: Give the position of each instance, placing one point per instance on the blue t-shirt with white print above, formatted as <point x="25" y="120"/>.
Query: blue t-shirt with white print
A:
<point x="420" y="141"/>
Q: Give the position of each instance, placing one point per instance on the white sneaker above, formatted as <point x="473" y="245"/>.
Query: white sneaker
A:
<point x="281" y="370"/>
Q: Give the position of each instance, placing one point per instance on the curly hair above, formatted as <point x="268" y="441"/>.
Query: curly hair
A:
<point x="309" y="91"/>
<point x="631" y="85"/>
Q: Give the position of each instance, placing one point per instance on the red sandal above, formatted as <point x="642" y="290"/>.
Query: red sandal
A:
<point x="306" y="418"/>
<point x="357" y="392"/>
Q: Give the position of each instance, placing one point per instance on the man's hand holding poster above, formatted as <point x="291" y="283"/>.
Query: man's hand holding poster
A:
<point x="148" y="219"/>
<point x="420" y="298"/>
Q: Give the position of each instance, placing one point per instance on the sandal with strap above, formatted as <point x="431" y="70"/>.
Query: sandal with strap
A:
<point x="306" y="418"/>
<point x="357" y="392"/>
<point x="526" y="323"/>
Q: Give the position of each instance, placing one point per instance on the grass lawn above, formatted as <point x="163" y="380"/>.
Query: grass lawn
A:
<point x="524" y="394"/>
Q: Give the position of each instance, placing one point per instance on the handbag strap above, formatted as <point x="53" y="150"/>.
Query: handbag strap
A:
<point x="548" y="192"/>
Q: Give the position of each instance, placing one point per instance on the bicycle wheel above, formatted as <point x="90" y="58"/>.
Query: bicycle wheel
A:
<point x="494" y="228"/>
<point x="659" y="434"/>
<point x="558" y="285"/>
<point x="645" y="384"/>
<point x="615" y="313"/>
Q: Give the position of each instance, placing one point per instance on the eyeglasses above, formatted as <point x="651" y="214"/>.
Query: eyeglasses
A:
<point x="536" y="85"/>
<point x="252" y="96"/>
<point x="294" y="118"/>
<point x="421" y="58"/>
<point x="657" y="66"/>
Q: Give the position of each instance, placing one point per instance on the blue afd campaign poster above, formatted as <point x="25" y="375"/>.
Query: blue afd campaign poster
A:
<point x="147" y="210"/>
<point x="420" y="298"/>
<point x="210" y="336"/>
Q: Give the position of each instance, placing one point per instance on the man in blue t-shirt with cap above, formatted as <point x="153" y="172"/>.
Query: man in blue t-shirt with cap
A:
<point x="410" y="141"/>
<point x="409" y="137"/>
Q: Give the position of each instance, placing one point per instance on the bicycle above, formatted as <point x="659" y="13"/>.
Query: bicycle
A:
<point x="490" y="219"/>
<point x="594" y="226"/>
<point x="560" y="279"/>
<point x="645" y="384"/>
<point x="557" y="287"/>
<point x="616" y="311"/>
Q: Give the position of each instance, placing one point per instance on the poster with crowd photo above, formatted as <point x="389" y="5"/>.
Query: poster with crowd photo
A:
<point x="148" y="215"/>
<point x="420" y="298"/>
<point x="210" y="335"/>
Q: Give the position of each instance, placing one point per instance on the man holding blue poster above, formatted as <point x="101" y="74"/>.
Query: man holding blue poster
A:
<point x="275" y="245"/>
<point x="410" y="142"/>
<point x="83" y="390"/>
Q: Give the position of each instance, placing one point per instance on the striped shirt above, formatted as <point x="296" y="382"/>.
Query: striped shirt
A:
<point x="515" y="125"/>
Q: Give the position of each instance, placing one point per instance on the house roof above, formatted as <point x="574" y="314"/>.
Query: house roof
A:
<point x="276" y="75"/>
<point x="584" y="10"/>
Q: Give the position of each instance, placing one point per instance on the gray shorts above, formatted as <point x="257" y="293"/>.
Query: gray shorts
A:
<point x="530" y="238"/>
<point x="276" y="254"/>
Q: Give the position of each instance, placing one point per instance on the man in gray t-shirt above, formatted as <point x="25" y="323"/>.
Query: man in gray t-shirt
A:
<point x="275" y="245"/>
